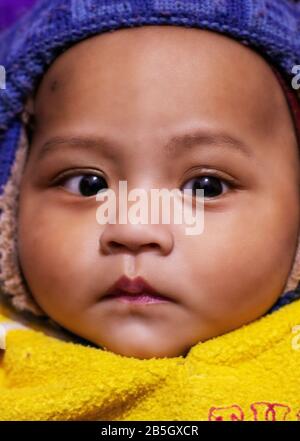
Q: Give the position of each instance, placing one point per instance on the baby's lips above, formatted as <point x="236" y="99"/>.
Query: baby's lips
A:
<point x="137" y="286"/>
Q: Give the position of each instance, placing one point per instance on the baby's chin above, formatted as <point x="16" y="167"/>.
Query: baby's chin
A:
<point x="141" y="344"/>
<point x="144" y="352"/>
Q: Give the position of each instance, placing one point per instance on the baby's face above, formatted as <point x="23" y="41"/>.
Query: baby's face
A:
<point x="104" y="112"/>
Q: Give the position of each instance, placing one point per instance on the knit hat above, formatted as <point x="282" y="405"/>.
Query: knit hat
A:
<point x="27" y="49"/>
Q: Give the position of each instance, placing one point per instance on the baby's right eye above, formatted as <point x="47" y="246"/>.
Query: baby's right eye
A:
<point x="85" y="185"/>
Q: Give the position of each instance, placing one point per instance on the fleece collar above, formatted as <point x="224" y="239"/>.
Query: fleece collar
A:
<point x="248" y="374"/>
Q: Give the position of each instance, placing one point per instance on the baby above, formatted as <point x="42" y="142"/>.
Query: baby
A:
<point x="158" y="107"/>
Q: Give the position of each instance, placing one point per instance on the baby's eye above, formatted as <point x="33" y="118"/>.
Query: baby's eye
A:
<point x="85" y="185"/>
<point x="211" y="185"/>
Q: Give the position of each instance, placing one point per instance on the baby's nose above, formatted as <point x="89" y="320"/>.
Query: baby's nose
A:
<point x="117" y="238"/>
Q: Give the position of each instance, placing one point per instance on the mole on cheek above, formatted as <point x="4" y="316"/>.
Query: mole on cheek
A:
<point x="54" y="85"/>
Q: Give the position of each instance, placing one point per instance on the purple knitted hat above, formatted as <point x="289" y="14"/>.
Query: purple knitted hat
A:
<point x="27" y="49"/>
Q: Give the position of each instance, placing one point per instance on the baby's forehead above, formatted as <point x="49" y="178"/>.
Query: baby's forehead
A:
<point x="191" y="73"/>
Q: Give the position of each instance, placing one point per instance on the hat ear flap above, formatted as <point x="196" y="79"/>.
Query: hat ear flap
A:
<point x="12" y="282"/>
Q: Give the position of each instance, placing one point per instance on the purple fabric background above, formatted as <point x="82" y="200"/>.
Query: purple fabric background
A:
<point x="11" y="10"/>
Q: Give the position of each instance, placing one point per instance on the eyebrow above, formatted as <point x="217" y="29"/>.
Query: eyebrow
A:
<point x="174" y="146"/>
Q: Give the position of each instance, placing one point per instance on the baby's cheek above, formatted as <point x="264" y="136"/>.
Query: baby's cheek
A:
<point x="231" y="270"/>
<point x="57" y="255"/>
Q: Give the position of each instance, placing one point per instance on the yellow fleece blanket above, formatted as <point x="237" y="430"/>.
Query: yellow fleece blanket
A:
<point x="251" y="373"/>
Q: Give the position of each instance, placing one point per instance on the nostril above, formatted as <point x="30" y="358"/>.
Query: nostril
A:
<point x="116" y="246"/>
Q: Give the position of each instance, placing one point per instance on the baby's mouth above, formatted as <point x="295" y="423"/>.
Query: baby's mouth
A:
<point x="135" y="290"/>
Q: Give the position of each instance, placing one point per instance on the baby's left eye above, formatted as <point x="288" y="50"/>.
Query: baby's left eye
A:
<point x="211" y="185"/>
<point x="85" y="185"/>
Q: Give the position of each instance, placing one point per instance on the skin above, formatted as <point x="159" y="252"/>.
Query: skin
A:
<point x="139" y="87"/>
